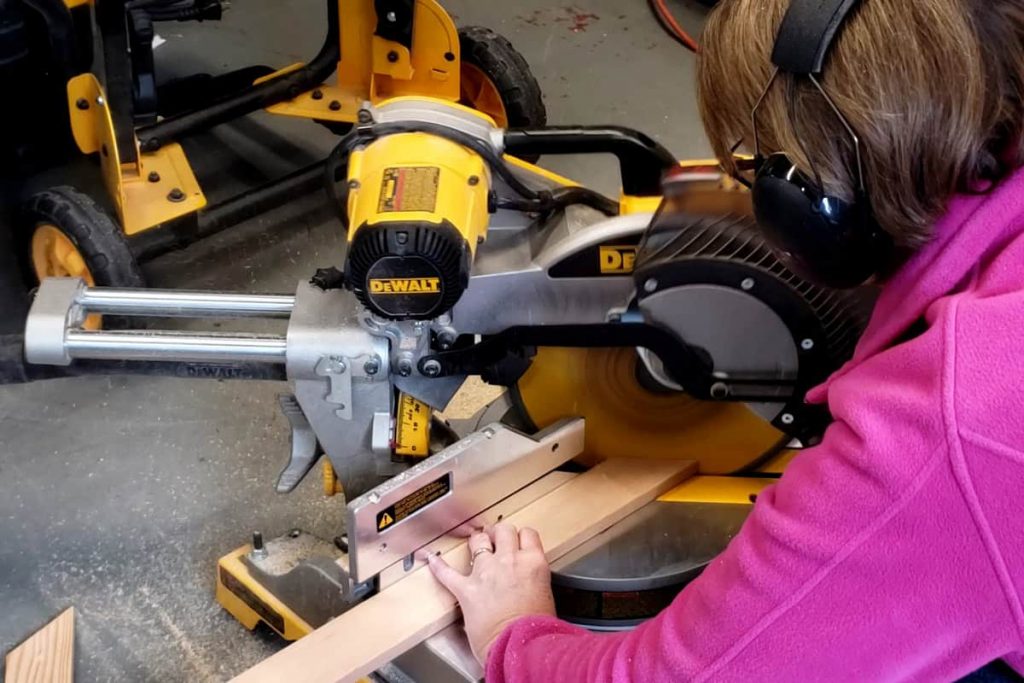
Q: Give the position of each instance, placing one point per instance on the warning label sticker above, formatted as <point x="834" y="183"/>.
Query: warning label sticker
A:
<point x="414" y="502"/>
<point x="409" y="188"/>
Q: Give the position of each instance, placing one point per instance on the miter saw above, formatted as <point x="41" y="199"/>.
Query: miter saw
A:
<point x="661" y="318"/>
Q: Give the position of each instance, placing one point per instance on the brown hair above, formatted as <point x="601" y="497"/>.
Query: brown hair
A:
<point x="933" y="89"/>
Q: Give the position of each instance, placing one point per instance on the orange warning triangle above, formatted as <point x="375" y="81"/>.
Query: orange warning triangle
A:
<point x="385" y="521"/>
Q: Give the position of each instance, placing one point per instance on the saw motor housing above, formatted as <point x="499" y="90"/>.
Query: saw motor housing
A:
<point x="417" y="210"/>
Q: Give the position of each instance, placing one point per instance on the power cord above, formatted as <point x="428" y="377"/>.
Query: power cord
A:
<point x="672" y="26"/>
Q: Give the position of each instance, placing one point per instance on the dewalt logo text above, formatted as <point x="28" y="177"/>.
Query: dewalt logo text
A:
<point x="416" y="285"/>
<point x="617" y="260"/>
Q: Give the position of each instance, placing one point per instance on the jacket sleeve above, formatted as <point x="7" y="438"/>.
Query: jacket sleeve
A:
<point x="862" y="563"/>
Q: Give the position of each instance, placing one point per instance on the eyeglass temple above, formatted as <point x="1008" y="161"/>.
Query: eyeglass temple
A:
<point x="835" y="110"/>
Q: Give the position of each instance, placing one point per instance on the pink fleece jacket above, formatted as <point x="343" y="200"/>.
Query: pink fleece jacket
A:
<point x="895" y="549"/>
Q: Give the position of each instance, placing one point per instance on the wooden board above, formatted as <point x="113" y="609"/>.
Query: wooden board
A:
<point x="391" y="622"/>
<point x="47" y="656"/>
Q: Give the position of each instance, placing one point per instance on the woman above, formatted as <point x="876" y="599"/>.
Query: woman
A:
<point x="895" y="549"/>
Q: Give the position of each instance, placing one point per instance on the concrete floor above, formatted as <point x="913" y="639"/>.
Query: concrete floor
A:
<point x="118" y="495"/>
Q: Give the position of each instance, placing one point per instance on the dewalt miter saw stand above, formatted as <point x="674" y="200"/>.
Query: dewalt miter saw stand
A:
<point x="133" y="124"/>
<point x="659" y="317"/>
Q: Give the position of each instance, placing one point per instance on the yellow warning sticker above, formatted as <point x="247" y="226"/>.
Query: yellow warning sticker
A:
<point x="409" y="188"/>
<point x="414" y="502"/>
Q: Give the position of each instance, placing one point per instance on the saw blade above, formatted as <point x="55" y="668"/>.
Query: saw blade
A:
<point x="625" y="419"/>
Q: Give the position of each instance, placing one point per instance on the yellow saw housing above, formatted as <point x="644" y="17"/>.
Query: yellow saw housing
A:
<point x="417" y="209"/>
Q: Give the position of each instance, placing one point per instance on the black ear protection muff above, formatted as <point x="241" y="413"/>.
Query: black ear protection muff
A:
<point x="822" y="238"/>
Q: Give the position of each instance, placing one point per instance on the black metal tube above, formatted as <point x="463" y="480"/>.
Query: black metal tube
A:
<point x="642" y="160"/>
<point x="284" y="87"/>
<point x="260" y="199"/>
<point x="149" y="244"/>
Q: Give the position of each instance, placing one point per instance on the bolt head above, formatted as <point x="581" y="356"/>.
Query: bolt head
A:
<point x="474" y="180"/>
<point x="807" y="344"/>
<point x="405" y="367"/>
<point x="392" y="56"/>
<point x="335" y="105"/>
<point x="651" y="286"/>
<point x="372" y="367"/>
<point x="365" y="116"/>
<point x="82" y="103"/>
<point x="153" y="177"/>
<point x="392" y="17"/>
<point x="176" y="195"/>
<point x="100" y="101"/>
<point x="787" y="419"/>
<point x="747" y="284"/>
<point x="432" y="368"/>
<point x="318" y="94"/>
<point x="353" y="184"/>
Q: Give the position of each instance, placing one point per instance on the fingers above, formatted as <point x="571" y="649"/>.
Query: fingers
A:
<point x="479" y="541"/>
<point x="506" y="539"/>
<point x="446" y="575"/>
<point x="529" y="539"/>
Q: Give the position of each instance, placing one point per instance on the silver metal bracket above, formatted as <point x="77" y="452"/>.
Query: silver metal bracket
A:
<point x="402" y="515"/>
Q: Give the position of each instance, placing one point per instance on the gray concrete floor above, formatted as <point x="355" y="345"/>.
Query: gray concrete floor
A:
<point x="118" y="495"/>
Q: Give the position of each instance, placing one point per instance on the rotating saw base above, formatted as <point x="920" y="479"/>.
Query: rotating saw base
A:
<point x="635" y="569"/>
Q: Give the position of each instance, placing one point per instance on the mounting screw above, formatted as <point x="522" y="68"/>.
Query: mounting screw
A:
<point x="651" y="286"/>
<point x="153" y="177"/>
<point x="719" y="390"/>
<point x="432" y="368"/>
<point x="176" y="195"/>
<point x="807" y="344"/>
<point x="100" y="101"/>
<point x="353" y="184"/>
<point x="449" y="56"/>
<point x="335" y="105"/>
<point x="82" y="103"/>
<point x="392" y="56"/>
<point x="365" y="116"/>
<point x="405" y="367"/>
<point x="372" y="366"/>
<point x="446" y="339"/>
<point x="391" y="17"/>
<point x="474" y="180"/>
<point x="318" y="94"/>
<point x="258" y="549"/>
<point x="747" y="284"/>
<point x="787" y="419"/>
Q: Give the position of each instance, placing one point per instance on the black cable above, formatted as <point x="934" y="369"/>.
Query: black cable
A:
<point x="536" y="201"/>
<point x="562" y="198"/>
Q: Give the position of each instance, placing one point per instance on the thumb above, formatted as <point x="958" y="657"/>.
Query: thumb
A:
<point x="446" y="575"/>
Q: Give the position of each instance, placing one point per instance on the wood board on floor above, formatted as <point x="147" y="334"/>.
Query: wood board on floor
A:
<point x="47" y="656"/>
<point x="391" y="622"/>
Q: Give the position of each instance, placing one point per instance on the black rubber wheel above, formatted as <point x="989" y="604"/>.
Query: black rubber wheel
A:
<point x="510" y="74"/>
<point x="98" y="239"/>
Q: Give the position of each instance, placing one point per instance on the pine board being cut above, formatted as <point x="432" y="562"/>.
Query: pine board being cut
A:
<point x="47" y="656"/>
<point x="391" y="622"/>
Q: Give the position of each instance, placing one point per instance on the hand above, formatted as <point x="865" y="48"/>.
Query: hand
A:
<point x="509" y="578"/>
